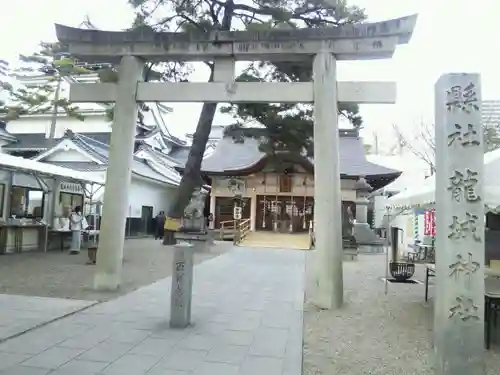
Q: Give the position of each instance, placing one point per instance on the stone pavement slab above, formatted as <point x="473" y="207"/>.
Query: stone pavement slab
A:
<point x="19" y="314"/>
<point x="247" y="315"/>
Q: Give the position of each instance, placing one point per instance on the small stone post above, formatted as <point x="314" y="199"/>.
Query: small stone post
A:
<point x="182" y="285"/>
<point x="192" y="237"/>
<point x="459" y="297"/>
<point x="329" y="291"/>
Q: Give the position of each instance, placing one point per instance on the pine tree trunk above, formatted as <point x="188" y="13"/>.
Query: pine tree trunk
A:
<point x="191" y="179"/>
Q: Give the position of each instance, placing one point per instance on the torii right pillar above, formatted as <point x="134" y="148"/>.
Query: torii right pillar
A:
<point x="329" y="288"/>
<point x="459" y="297"/>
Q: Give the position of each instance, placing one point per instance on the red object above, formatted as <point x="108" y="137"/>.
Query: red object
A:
<point x="430" y="223"/>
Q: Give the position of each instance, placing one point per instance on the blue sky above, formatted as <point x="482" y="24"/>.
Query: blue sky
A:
<point x="451" y="36"/>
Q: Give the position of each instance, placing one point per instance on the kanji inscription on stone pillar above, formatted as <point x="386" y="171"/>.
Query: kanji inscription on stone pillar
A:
<point x="459" y="299"/>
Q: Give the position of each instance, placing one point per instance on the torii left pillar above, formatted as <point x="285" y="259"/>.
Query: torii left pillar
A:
<point x="118" y="175"/>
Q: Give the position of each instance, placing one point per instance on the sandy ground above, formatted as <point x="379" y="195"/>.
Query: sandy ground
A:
<point x="56" y="274"/>
<point x="374" y="334"/>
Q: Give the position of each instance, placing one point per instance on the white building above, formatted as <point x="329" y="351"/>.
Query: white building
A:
<point x="410" y="223"/>
<point x="491" y="113"/>
<point x="84" y="146"/>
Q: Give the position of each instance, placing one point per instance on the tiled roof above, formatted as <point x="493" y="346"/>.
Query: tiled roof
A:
<point x="144" y="169"/>
<point x="79" y="165"/>
<point x="180" y="154"/>
<point x="39" y="142"/>
<point x="231" y="157"/>
<point x="94" y="147"/>
<point x="168" y="138"/>
<point x="161" y="157"/>
<point x="100" y="151"/>
<point x="4" y="134"/>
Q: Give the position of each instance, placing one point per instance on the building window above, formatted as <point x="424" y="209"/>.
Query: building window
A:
<point x="285" y="183"/>
<point x="70" y="199"/>
<point x="26" y="202"/>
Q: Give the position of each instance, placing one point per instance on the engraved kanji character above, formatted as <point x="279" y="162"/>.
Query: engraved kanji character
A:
<point x="464" y="185"/>
<point x="179" y="266"/>
<point x="465" y="309"/>
<point x="465" y="266"/>
<point x="465" y="138"/>
<point x="463" y="228"/>
<point x="462" y="98"/>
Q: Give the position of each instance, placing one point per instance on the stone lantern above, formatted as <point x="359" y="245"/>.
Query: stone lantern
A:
<point x="362" y="188"/>
<point x="367" y="240"/>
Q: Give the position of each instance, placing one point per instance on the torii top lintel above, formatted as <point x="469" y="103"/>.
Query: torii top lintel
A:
<point x="349" y="42"/>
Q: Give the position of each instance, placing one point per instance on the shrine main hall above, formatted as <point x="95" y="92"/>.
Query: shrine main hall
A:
<point x="278" y="191"/>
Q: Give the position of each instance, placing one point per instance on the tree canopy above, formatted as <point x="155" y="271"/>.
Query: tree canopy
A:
<point x="52" y="61"/>
<point x="287" y="125"/>
<point x="209" y="15"/>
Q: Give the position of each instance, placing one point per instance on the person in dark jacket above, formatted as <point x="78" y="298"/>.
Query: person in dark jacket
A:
<point x="160" y="223"/>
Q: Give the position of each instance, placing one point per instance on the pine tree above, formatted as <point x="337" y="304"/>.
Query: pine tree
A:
<point x="209" y="15"/>
<point x="286" y="126"/>
<point x="53" y="61"/>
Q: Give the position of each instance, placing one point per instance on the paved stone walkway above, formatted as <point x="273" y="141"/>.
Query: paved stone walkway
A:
<point x="19" y="314"/>
<point x="248" y="315"/>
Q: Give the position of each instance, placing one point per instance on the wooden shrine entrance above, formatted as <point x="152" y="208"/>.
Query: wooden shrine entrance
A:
<point x="284" y="214"/>
<point x="224" y="207"/>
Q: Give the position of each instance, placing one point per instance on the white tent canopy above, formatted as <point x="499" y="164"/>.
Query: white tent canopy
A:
<point x="17" y="164"/>
<point x="423" y="193"/>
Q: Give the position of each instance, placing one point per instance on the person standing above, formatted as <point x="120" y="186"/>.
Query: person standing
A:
<point x="160" y="224"/>
<point x="75" y="221"/>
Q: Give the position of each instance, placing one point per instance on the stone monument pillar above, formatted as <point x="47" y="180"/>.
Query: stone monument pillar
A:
<point x="118" y="175"/>
<point x="192" y="237"/>
<point x="327" y="194"/>
<point x="459" y="299"/>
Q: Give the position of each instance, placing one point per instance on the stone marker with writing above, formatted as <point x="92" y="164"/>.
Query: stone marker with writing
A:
<point x="182" y="285"/>
<point x="459" y="296"/>
<point x="191" y="237"/>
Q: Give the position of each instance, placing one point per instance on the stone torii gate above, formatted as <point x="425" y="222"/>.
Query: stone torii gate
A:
<point x="323" y="46"/>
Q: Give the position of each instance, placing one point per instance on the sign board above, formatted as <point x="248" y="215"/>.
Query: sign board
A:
<point x="430" y="223"/>
<point x="71" y="187"/>
<point x="237" y="213"/>
<point x="235" y="186"/>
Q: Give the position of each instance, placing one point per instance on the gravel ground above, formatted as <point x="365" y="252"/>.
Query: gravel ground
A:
<point x="56" y="274"/>
<point x="374" y="334"/>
